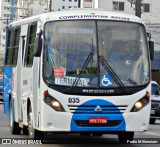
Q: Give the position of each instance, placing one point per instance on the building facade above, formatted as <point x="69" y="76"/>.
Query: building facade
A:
<point x="5" y="18"/>
<point x="61" y="5"/>
<point x="12" y="10"/>
<point x="26" y="8"/>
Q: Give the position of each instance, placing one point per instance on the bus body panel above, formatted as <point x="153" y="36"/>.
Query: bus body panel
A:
<point x="67" y="119"/>
<point x="7" y="88"/>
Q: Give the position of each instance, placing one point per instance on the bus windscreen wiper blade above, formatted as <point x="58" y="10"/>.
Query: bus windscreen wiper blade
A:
<point x="89" y="57"/>
<point x="111" y="71"/>
<point x="132" y="81"/>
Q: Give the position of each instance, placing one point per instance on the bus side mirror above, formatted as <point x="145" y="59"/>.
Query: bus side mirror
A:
<point x="38" y="45"/>
<point x="151" y="48"/>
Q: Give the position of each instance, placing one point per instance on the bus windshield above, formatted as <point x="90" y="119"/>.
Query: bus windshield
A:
<point x="95" y="53"/>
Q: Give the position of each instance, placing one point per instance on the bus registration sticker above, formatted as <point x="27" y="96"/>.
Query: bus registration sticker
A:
<point x="98" y="120"/>
<point x="59" y="72"/>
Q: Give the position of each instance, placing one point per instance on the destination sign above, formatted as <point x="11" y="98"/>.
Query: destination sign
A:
<point x="76" y="31"/>
<point x="70" y="80"/>
<point x="94" y="16"/>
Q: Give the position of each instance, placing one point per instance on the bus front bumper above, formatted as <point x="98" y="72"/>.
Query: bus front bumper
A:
<point x="69" y="122"/>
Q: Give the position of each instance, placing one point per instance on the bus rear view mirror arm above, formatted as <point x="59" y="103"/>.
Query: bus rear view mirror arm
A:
<point x="38" y="45"/>
<point x="151" y="48"/>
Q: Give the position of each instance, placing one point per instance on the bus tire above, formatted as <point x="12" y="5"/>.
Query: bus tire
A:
<point x="14" y="126"/>
<point x="125" y="137"/>
<point x="33" y="133"/>
<point x="25" y="130"/>
<point x="152" y="120"/>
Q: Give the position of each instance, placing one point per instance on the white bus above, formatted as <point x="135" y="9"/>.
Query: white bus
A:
<point x="60" y="74"/>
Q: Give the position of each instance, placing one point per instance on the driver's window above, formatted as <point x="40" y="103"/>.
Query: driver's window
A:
<point x="155" y="89"/>
<point x="116" y="50"/>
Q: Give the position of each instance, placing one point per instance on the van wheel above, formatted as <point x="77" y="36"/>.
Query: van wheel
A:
<point x="33" y="133"/>
<point x="14" y="126"/>
<point x="152" y="120"/>
<point x="125" y="137"/>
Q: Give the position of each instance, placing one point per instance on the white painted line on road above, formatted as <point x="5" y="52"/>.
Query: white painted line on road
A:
<point x="152" y="133"/>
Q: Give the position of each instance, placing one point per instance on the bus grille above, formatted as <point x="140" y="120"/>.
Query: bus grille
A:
<point x="88" y="109"/>
<point x="111" y="123"/>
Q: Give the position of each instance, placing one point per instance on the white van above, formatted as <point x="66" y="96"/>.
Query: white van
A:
<point x="155" y="102"/>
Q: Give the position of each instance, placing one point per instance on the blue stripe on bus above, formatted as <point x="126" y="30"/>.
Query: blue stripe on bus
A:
<point x="111" y="117"/>
<point x="7" y="87"/>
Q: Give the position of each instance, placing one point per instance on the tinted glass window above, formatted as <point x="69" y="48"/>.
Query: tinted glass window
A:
<point x="155" y="89"/>
<point x="31" y="38"/>
<point x="1" y="81"/>
<point x="16" y="46"/>
<point x="101" y="51"/>
<point x="9" y="47"/>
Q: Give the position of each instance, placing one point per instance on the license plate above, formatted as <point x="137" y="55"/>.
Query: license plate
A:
<point x="152" y="111"/>
<point x="98" y="120"/>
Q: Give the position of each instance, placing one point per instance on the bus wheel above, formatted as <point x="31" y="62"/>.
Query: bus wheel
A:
<point x="25" y="130"/>
<point x="152" y="120"/>
<point x="14" y="126"/>
<point x="33" y="133"/>
<point x="125" y="137"/>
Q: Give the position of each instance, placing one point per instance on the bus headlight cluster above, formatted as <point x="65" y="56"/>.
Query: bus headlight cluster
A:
<point x="52" y="102"/>
<point x="56" y="104"/>
<point x="141" y="103"/>
<point x="138" y="105"/>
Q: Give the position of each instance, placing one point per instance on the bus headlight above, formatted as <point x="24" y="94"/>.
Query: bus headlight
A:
<point x="138" y="105"/>
<point x="141" y="103"/>
<point x="55" y="104"/>
<point x="52" y="102"/>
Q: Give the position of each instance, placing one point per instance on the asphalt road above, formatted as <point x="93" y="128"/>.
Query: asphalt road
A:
<point x="60" y="140"/>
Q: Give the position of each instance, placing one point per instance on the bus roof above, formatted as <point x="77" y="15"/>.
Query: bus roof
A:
<point x="78" y="14"/>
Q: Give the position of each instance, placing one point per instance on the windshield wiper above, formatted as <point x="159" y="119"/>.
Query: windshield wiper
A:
<point x="89" y="57"/>
<point x="132" y="82"/>
<point x="111" y="71"/>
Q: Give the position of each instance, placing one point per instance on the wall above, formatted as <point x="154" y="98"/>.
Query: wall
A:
<point x="57" y="4"/>
<point x="156" y="76"/>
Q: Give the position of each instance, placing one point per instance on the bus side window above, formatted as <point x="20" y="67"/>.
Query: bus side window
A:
<point x="30" y="45"/>
<point x="9" y="47"/>
<point x="16" y="46"/>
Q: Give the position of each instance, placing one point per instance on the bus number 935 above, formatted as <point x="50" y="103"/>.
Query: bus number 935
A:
<point x="73" y="100"/>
